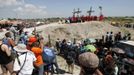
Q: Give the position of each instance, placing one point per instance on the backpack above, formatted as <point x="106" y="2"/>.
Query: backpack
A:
<point x="23" y="39"/>
<point x="71" y="57"/>
<point x="13" y="52"/>
<point x="6" y="41"/>
<point x="48" y="55"/>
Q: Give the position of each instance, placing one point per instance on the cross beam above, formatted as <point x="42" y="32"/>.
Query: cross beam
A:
<point x="90" y="11"/>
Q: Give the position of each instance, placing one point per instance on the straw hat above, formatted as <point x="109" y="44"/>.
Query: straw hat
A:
<point x="21" y="48"/>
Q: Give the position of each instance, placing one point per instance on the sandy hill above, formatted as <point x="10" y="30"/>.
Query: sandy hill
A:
<point x="92" y="29"/>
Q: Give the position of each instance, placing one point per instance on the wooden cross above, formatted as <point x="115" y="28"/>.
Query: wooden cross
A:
<point x="78" y="12"/>
<point x="90" y="11"/>
<point x="74" y="12"/>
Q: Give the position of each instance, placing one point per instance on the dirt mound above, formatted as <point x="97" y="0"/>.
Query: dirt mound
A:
<point x="92" y="29"/>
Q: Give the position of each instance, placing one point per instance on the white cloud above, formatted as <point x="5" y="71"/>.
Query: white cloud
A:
<point x="10" y="2"/>
<point x="31" y="11"/>
<point x="21" y="9"/>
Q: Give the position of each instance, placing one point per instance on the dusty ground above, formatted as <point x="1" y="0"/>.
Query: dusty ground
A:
<point x="62" y="64"/>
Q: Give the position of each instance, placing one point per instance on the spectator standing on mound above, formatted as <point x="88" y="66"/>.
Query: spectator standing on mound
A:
<point x="57" y="44"/>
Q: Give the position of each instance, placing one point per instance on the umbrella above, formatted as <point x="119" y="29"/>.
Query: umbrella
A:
<point x="90" y="48"/>
<point x="118" y="50"/>
<point x="92" y="40"/>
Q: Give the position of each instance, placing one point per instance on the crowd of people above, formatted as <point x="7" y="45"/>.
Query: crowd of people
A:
<point x="23" y="54"/>
<point x="95" y="57"/>
<point x="29" y="55"/>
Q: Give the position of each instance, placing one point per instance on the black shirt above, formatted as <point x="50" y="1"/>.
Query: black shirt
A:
<point x="4" y="58"/>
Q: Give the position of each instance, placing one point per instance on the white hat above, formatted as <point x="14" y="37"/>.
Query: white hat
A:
<point x="105" y="48"/>
<point x="69" y="42"/>
<point x="21" y="48"/>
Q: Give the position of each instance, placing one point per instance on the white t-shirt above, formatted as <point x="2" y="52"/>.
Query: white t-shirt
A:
<point x="28" y="66"/>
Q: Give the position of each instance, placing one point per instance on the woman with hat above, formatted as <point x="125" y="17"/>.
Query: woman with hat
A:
<point x="23" y="64"/>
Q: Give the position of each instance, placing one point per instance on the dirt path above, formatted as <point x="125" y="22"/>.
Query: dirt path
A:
<point x="62" y="64"/>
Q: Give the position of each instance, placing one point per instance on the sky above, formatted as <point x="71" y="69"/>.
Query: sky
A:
<point x="63" y="8"/>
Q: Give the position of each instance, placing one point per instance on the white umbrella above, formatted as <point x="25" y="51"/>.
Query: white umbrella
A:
<point x="92" y="40"/>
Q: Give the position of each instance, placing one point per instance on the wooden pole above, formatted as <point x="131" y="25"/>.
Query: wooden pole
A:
<point x="49" y="40"/>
